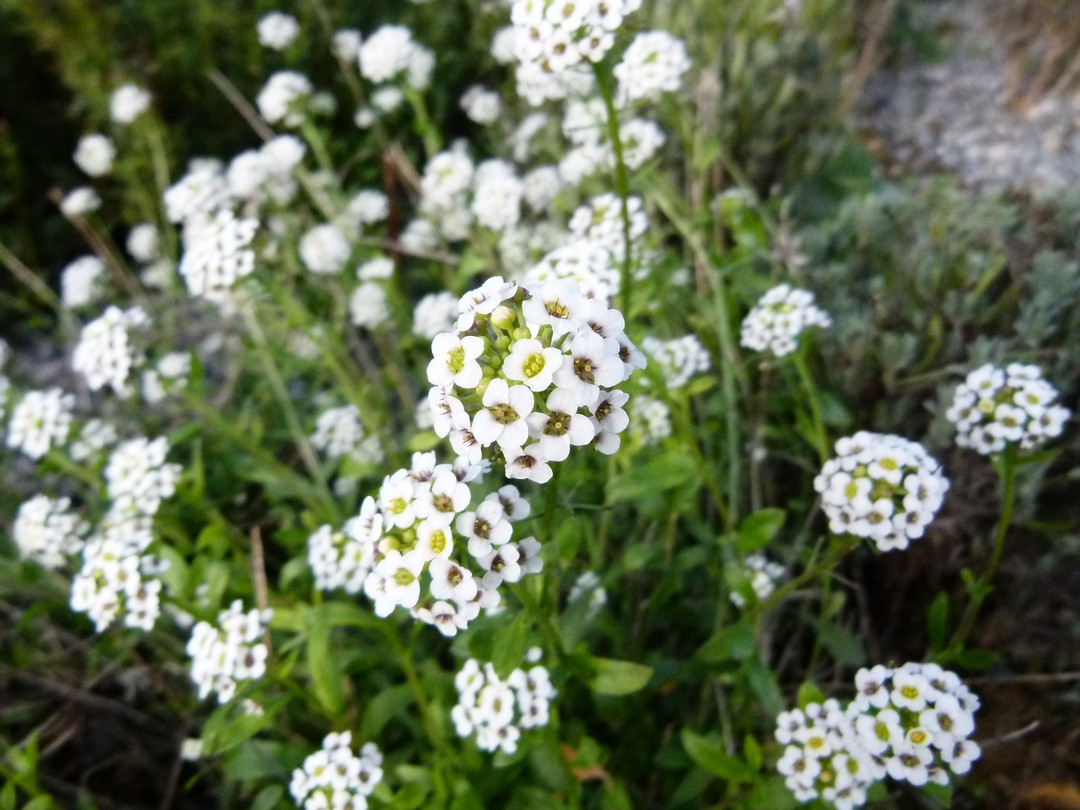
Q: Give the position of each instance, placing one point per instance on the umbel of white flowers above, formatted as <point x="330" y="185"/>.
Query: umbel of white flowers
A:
<point x="526" y="374"/>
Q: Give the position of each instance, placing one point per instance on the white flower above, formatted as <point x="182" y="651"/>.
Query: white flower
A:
<point x="82" y="282"/>
<point x="346" y="44"/>
<point x="46" y="531"/>
<point x="94" y="154"/>
<point x="527" y="463"/>
<point x="434" y="313"/>
<point x="40" y="421"/>
<point x="80" y="202"/>
<point x="503" y="417"/>
<point x="481" y="105"/>
<point x="282" y="97"/>
<point x="531" y="363"/>
<point x="106" y="354"/>
<point x="455" y="361"/>
<point x="229" y="652"/>
<point x="277" y="31"/>
<point x="653" y="64"/>
<point x="777" y="320"/>
<point x="324" y="249"/>
<point x="368" y="206"/>
<point x="368" y="306"/>
<point x="217" y="254"/>
<point x="142" y="242"/>
<point x="127" y="103"/>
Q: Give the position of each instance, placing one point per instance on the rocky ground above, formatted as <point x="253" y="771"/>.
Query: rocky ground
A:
<point x="950" y="115"/>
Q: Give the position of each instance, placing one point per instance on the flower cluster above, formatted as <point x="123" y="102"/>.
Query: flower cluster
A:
<point x="169" y="375"/>
<point x="497" y="710"/>
<point x="230" y="652"/>
<point x="679" y="359"/>
<point x="39" y="421"/>
<point x="652" y="419"/>
<point x="585" y="263"/>
<point x="107" y="353"/>
<point x="555" y="41"/>
<point x="127" y="103"/>
<point x="277" y="30"/>
<point x="529" y="373"/>
<point x="763" y="575"/>
<point x="338" y="431"/>
<point x="997" y="407"/>
<point x="600" y="221"/>
<point x="401" y="546"/>
<point x="912" y="724"/>
<point x="390" y="52"/>
<point x="654" y="64"/>
<point x="94" y="154"/>
<point x="777" y="320"/>
<point x="47" y="531"/>
<point x="334" y="778"/>
<point x="117" y="575"/>
<point x="82" y="282"/>
<point x="217" y="252"/>
<point x="881" y="487"/>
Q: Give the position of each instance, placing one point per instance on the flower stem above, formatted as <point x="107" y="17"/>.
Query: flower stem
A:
<point x="981" y="589"/>
<point x="821" y="438"/>
<point x="826" y="564"/>
<point x="622" y="182"/>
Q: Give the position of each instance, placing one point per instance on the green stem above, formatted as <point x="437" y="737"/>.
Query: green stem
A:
<point x="277" y="384"/>
<point x="981" y="589"/>
<point x="424" y="128"/>
<point x="551" y="505"/>
<point x="821" y="437"/>
<point x="622" y="182"/>
<point x="826" y="564"/>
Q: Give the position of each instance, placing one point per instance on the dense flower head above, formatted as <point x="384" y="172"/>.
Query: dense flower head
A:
<point x="652" y="419"/>
<point x="997" y="407"/>
<point x="79" y="202"/>
<point x="116" y="580"/>
<point x="169" y="375"/>
<point x="201" y="193"/>
<point x="232" y="651"/>
<point x="763" y="574"/>
<point x="777" y="320"/>
<point x="496" y="711"/>
<point x="217" y="253"/>
<point x="143" y="243"/>
<point x="435" y="313"/>
<point x="586" y="263"/>
<point x="679" y="359"/>
<point x="881" y="487"/>
<point x="527" y="373"/>
<point x="912" y="724"/>
<point x="556" y="40"/>
<point x="127" y="103"/>
<point x="407" y="545"/>
<point x="481" y="105"/>
<point x="277" y="30"/>
<point x="94" y="154"/>
<point x="39" y="421"/>
<point x="109" y="349"/>
<point x="390" y="52"/>
<point x="600" y="221"/>
<point x="137" y="475"/>
<point x="324" y="249"/>
<point x="334" y="778"/>
<point x="82" y="282"/>
<point x="94" y="436"/>
<point x="653" y="64"/>
<point x="338" y="431"/>
<point x="47" y="531"/>
<point x="282" y="98"/>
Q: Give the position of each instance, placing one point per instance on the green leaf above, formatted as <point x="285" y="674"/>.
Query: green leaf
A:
<point x="763" y="683"/>
<point x="612" y="677"/>
<point x="752" y="752"/>
<point x="510" y="649"/>
<point x="268" y="798"/>
<point x="808" y="693"/>
<point x="758" y="529"/>
<point x="937" y="622"/>
<point x="942" y="794"/>
<point x="40" y="803"/>
<point x="229" y="726"/>
<point x="732" y="643"/>
<point x="322" y="664"/>
<point x="383" y="708"/>
<point x="7" y="796"/>
<point x="708" y="753"/>
<point x="422" y="442"/>
<point x="667" y="472"/>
